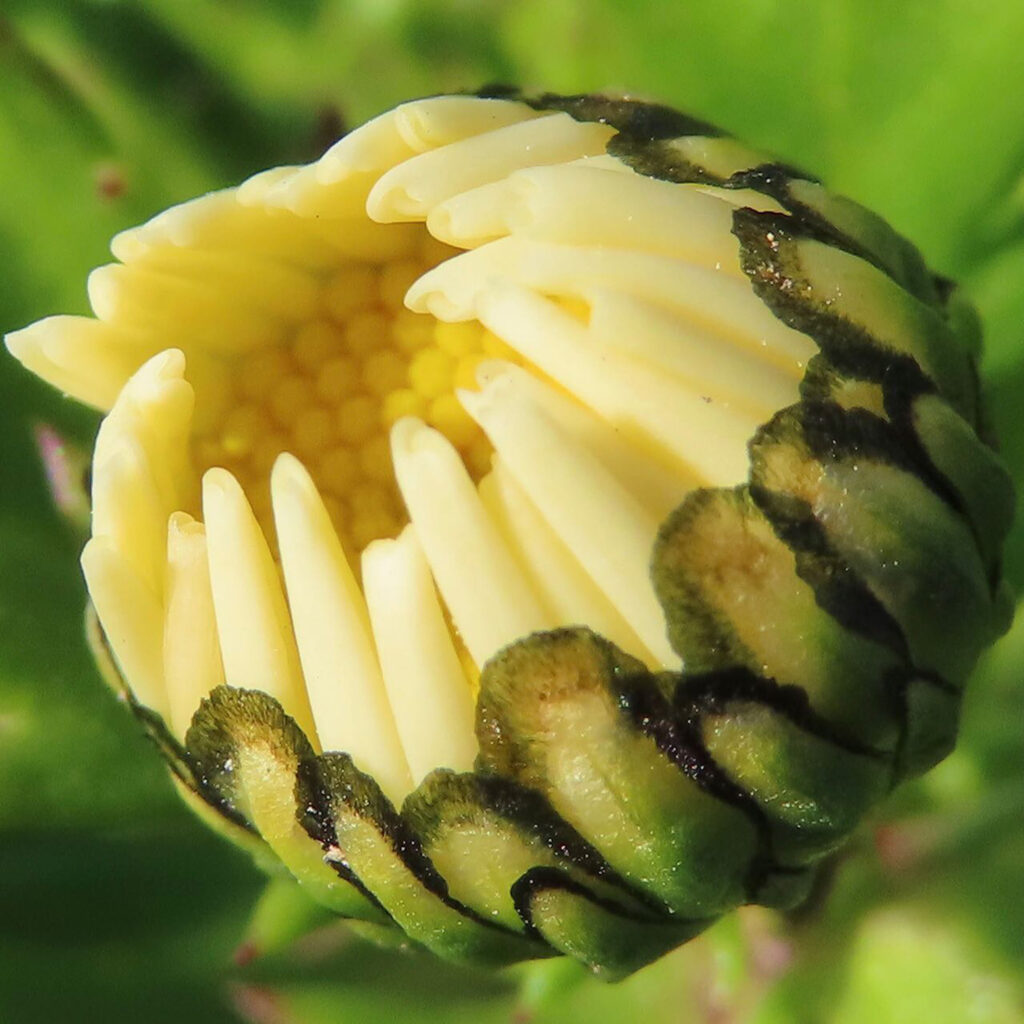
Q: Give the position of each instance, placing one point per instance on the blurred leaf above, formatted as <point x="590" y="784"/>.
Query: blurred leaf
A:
<point x="362" y="54"/>
<point x="283" y="914"/>
<point x="906" y="967"/>
<point x="332" y="975"/>
<point x="903" y="965"/>
<point x="128" y="926"/>
<point x="69" y="756"/>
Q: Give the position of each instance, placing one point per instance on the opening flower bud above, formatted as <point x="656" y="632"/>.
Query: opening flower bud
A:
<point x="542" y="523"/>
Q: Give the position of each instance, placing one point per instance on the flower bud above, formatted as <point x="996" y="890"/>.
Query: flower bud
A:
<point x="542" y="524"/>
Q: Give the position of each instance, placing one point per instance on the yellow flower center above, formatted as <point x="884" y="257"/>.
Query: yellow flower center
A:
<point x="331" y="392"/>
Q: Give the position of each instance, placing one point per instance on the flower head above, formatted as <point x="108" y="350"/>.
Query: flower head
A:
<point x="541" y="523"/>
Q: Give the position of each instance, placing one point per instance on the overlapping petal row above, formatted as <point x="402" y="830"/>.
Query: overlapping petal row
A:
<point x="825" y="607"/>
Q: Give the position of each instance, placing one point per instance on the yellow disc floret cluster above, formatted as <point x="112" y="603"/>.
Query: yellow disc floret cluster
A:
<point x="331" y="392"/>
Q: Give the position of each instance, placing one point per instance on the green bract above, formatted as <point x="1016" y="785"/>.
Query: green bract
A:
<point x="824" y="592"/>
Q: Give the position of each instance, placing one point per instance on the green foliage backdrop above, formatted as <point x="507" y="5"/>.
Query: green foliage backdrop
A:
<point x="114" y="904"/>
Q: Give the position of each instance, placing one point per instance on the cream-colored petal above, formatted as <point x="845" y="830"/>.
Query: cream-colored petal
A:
<point x="485" y="589"/>
<point x="140" y="464"/>
<point x="93" y="357"/>
<point x="442" y="120"/>
<point x="362" y="239"/>
<point x="263" y="285"/>
<point x="192" y="661"/>
<point x="720" y="155"/>
<point x="711" y="365"/>
<point x="576" y="204"/>
<point x="572" y="596"/>
<point x="659" y="486"/>
<point x="410" y="190"/>
<point x="130" y="512"/>
<point x="334" y="213"/>
<point x="739" y="197"/>
<point x="218" y="221"/>
<point x="475" y="217"/>
<point x="344" y="176"/>
<point x="131" y="614"/>
<point x="449" y="119"/>
<point x="339" y="663"/>
<point x="609" y="532"/>
<point x="414" y="128"/>
<point x="710" y="299"/>
<point x="606" y="162"/>
<point x="92" y="360"/>
<point x="83" y="389"/>
<point x="647" y="406"/>
<point x="138" y="299"/>
<point x="155" y="410"/>
<point x="302" y="192"/>
<point x="256" y="189"/>
<point x="372" y="147"/>
<point x="428" y="690"/>
<point x="252" y="618"/>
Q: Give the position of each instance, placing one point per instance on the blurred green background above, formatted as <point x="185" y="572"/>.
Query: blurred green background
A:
<point x="114" y="904"/>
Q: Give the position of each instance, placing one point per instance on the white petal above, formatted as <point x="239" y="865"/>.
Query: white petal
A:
<point x="131" y="614"/>
<point x="191" y="648"/>
<point x="372" y="147"/>
<point x="712" y="365"/>
<point x="218" y="221"/>
<point x="130" y="512"/>
<point x="155" y="411"/>
<point x="257" y="188"/>
<point x="573" y="597"/>
<point x="659" y="486"/>
<point x="653" y="410"/>
<point x="609" y="532"/>
<point x="362" y="239"/>
<point x="140" y="464"/>
<point x="301" y="191"/>
<point x="710" y="299"/>
<point x="257" y="283"/>
<point x="475" y="217"/>
<point x="418" y="126"/>
<point x="331" y="212"/>
<point x="339" y="664"/>
<point x="744" y="197"/>
<point x="442" y="120"/>
<point x="606" y="162"/>
<point x="252" y="618"/>
<point x="137" y="299"/>
<point x="67" y="381"/>
<point x="428" y="690"/>
<point x="485" y="589"/>
<point x="720" y="155"/>
<point x="578" y="204"/>
<point x="94" y="358"/>
<point x="410" y="190"/>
